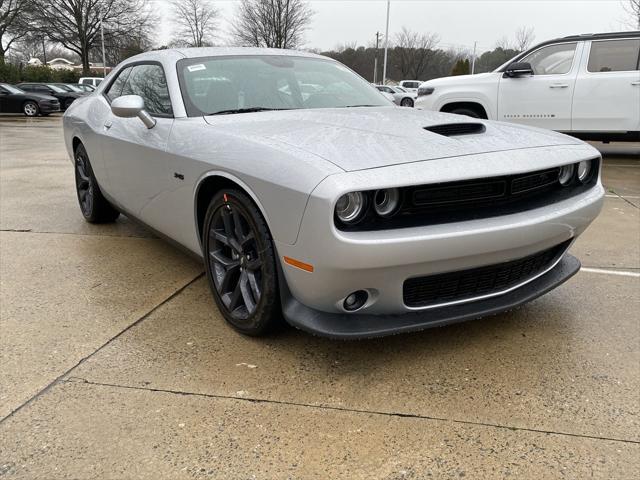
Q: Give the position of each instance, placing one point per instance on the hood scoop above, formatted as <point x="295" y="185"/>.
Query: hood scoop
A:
<point x="455" y="129"/>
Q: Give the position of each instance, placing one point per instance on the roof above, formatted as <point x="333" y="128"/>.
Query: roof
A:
<point x="59" y="59"/>
<point x="219" y="52"/>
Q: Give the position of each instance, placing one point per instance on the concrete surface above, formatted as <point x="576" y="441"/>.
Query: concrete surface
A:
<point x="114" y="362"/>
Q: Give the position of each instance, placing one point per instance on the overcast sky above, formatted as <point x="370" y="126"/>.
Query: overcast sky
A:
<point x="458" y="22"/>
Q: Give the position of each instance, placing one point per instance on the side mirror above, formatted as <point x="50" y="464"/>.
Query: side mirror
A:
<point x="129" y="106"/>
<point x="518" y="69"/>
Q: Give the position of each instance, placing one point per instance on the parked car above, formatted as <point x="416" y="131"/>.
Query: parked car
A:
<point x="93" y="81"/>
<point x="65" y="97"/>
<point x="410" y="85"/>
<point x="70" y="87"/>
<point x="584" y="85"/>
<point x="85" y="87"/>
<point x="348" y="216"/>
<point x="400" y="95"/>
<point x="15" y="100"/>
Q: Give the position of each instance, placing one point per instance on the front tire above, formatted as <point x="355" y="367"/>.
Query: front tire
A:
<point x="94" y="207"/>
<point x="240" y="262"/>
<point x="30" y="109"/>
<point x="67" y="103"/>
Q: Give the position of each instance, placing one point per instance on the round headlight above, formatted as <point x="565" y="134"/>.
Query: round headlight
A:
<point x="566" y="174"/>
<point x="350" y="207"/>
<point x="584" y="170"/>
<point x="386" y="202"/>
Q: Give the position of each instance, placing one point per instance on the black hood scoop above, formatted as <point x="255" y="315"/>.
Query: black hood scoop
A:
<point x="454" y="129"/>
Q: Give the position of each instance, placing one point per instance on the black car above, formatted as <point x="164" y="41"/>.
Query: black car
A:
<point x="15" y="100"/>
<point x="64" y="97"/>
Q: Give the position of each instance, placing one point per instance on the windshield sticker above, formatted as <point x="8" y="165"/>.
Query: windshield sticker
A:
<point x="196" y="68"/>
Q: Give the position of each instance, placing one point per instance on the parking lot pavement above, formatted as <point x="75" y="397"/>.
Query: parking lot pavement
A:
<point x="114" y="362"/>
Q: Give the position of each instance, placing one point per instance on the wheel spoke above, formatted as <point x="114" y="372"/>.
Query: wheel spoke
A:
<point x="255" y="286"/>
<point x="233" y="298"/>
<point x="237" y="225"/>
<point x="228" y="276"/>
<point x="249" y="302"/>
<point x="223" y="260"/>
<point x="226" y="219"/>
<point x="219" y="236"/>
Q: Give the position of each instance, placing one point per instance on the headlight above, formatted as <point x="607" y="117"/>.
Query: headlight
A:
<point x="584" y="171"/>
<point x="386" y="201"/>
<point x="425" y="91"/>
<point x="350" y="207"/>
<point x="566" y="175"/>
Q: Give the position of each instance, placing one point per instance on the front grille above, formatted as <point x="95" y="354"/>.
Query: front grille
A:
<point x="465" y="200"/>
<point x="477" y="282"/>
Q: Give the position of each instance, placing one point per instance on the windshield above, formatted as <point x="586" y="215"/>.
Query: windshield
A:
<point x="73" y="88"/>
<point x="66" y="88"/>
<point x="248" y="83"/>
<point x="55" y="88"/>
<point x="11" y="88"/>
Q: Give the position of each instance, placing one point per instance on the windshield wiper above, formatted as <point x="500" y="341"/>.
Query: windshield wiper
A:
<point x="246" y="110"/>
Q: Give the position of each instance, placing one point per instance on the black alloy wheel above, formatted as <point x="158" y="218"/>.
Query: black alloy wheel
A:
<point x="84" y="185"/>
<point x="94" y="207"/>
<point x="240" y="263"/>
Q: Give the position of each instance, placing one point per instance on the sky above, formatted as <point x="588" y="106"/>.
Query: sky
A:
<point x="459" y="23"/>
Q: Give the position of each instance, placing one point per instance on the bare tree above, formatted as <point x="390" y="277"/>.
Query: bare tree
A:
<point x="632" y="8"/>
<point x="414" y="51"/>
<point x="195" y="22"/>
<point x="524" y="38"/>
<point x="271" y="23"/>
<point x="75" y="24"/>
<point x="14" y="23"/>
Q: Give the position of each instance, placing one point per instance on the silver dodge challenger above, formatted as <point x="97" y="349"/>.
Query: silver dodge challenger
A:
<point x="330" y="208"/>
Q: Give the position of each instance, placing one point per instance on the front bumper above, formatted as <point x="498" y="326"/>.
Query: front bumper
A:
<point x="379" y="262"/>
<point x="348" y="326"/>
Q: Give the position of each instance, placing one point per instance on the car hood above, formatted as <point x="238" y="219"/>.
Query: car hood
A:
<point x="461" y="79"/>
<point x="363" y="138"/>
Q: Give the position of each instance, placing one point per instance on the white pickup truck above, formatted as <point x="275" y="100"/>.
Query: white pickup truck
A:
<point x="584" y="85"/>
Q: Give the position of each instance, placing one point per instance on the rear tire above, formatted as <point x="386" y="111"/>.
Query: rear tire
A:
<point x="240" y="262"/>
<point x="30" y="109"/>
<point x="406" y="102"/>
<point x="94" y="207"/>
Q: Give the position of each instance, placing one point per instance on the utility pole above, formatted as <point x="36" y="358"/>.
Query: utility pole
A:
<point x="473" y="60"/>
<point x="375" y="61"/>
<point x="386" y="45"/>
<point x="104" y="58"/>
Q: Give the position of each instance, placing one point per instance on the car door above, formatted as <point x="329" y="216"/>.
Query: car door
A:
<point x="134" y="155"/>
<point x="607" y="95"/>
<point x="544" y="98"/>
<point x="5" y="100"/>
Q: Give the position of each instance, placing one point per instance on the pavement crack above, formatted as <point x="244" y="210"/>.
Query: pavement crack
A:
<point x="622" y="198"/>
<point x="346" y="409"/>
<point x="61" y="377"/>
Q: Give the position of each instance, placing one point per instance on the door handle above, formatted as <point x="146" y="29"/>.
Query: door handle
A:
<point x="635" y="83"/>
<point x="107" y="124"/>
<point x="559" y="85"/>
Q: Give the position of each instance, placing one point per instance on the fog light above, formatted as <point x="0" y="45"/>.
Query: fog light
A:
<point x="355" y="301"/>
<point x="386" y="202"/>
<point x="566" y="174"/>
<point x="584" y="171"/>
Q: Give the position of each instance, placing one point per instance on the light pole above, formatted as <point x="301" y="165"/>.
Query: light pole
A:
<point x="473" y="59"/>
<point x="386" y="45"/>
<point x="104" y="58"/>
<point x="375" y="60"/>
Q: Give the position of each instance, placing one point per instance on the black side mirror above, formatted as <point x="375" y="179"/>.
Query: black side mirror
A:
<point x="518" y="69"/>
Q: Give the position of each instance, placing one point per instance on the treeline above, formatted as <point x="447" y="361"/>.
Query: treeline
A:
<point x="15" y="73"/>
<point x="437" y="62"/>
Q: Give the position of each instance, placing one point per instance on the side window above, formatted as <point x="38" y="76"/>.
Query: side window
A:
<point x="149" y="82"/>
<point x="552" y="60"/>
<point x="614" y="56"/>
<point x="115" y="89"/>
